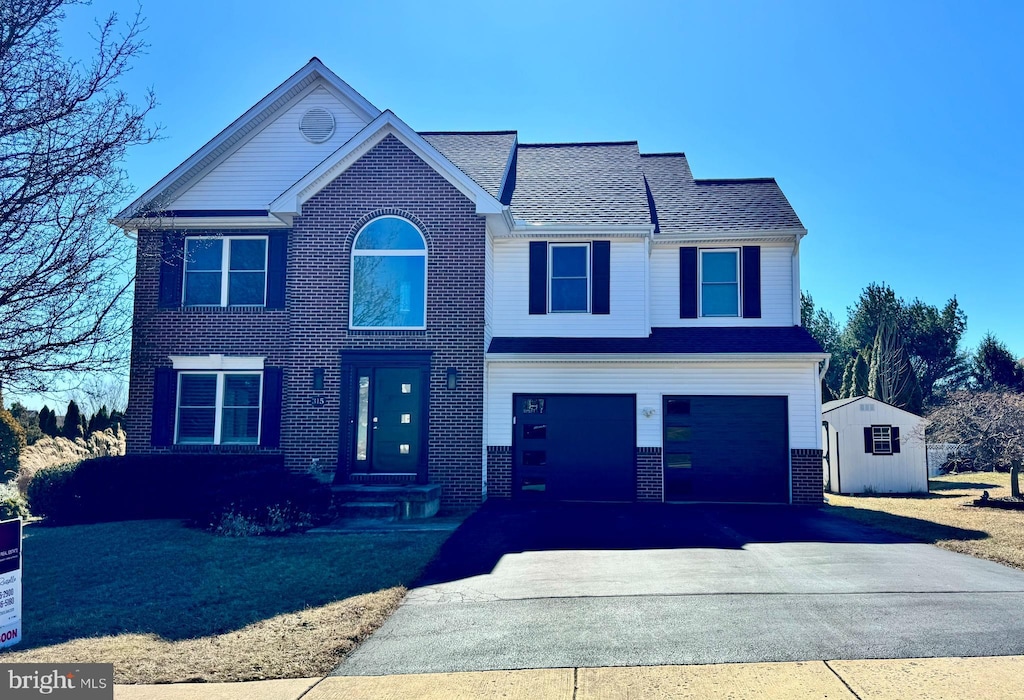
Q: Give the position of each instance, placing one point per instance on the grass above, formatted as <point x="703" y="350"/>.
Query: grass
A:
<point x="945" y="518"/>
<point x="165" y="603"/>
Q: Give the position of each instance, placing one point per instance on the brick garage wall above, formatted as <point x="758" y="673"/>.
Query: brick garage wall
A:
<point x="159" y="333"/>
<point x="313" y="331"/>
<point x="650" y="482"/>
<point x="389" y="179"/>
<point x="807" y="477"/>
<point x="499" y="471"/>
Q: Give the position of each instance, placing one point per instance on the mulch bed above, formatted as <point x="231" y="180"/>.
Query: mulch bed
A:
<point x="1005" y="503"/>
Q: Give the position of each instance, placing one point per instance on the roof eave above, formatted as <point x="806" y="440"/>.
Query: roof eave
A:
<point x="656" y="357"/>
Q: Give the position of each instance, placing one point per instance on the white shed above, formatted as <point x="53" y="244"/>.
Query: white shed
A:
<point x="872" y="447"/>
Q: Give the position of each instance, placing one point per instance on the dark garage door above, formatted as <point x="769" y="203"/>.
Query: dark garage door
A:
<point x="574" y="447"/>
<point x="726" y="448"/>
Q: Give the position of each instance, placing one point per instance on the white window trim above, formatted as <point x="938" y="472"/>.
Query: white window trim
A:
<point x="218" y="417"/>
<point x="551" y="274"/>
<point x="225" y="265"/>
<point x="217" y="362"/>
<point x="377" y="253"/>
<point x="700" y="283"/>
<point x="874" y="440"/>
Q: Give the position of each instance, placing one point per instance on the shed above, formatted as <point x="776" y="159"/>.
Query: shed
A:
<point x="872" y="447"/>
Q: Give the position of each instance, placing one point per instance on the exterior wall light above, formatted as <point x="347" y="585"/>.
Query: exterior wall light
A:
<point x="453" y="378"/>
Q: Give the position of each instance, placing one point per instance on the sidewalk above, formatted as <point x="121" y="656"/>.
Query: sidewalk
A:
<point x="978" y="678"/>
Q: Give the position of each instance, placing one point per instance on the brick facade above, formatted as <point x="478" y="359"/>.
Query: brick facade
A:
<point x="807" y="477"/>
<point x="650" y="481"/>
<point x="499" y="471"/>
<point x="313" y="332"/>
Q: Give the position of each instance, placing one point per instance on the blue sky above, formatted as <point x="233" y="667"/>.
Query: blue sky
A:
<point x="895" y="128"/>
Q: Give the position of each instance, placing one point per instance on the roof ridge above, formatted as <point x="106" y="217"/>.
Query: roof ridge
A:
<point x="579" y="143"/>
<point x="731" y="180"/>
<point x="663" y="155"/>
<point x="467" y="133"/>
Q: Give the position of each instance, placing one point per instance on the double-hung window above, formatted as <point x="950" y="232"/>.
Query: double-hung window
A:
<point x="225" y="271"/>
<point x="569" y="283"/>
<point x="219" y="408"/>
<point x="720" y="282"/>
<point x="881" y="439"/>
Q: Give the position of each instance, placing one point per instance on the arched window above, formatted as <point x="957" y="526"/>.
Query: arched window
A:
<point x="389" y="276"/>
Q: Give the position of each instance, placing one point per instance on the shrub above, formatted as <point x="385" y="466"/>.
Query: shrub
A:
<point x="211" y="491"/>
<point x="12" y="503"/>
<point x="12" y="442"/>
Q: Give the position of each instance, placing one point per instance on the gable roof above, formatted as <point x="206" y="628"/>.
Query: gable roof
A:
<point x="580" y="183"/>
<point x="482" y="155"/>
<point x="239" y="130"/>
<point x="687" y="340"/>
<point x="829" y="406"/>
<point x="682" y="204"/>
<point x="289" y="203"/>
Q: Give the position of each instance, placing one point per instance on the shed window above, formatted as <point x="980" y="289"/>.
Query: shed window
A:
<point x="881" y="439"/>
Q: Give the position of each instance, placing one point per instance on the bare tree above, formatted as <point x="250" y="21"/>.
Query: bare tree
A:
<point x="891" y="378"/>
<point x="987" y="428"/>
<point x="65" y="272"/>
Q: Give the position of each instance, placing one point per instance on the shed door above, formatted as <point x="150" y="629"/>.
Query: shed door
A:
<point x="726" y="448"/>
<point x="574" y="447"/>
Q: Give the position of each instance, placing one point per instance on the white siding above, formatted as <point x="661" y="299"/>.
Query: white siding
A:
<point x="860" y="471"/>
<point x="271" y="161"/>
<point x="776" y="289"/>
<point x="511" y="310"/>
<point x="651" y="381"/>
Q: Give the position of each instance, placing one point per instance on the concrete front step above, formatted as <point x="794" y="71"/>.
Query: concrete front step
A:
<point x="411" y="501"/>
<point x="366" y="510"/>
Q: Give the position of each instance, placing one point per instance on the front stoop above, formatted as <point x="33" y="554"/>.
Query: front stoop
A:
<point x="387" y="502"/>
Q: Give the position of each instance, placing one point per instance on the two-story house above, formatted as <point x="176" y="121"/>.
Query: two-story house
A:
<point x="572" y="321"/>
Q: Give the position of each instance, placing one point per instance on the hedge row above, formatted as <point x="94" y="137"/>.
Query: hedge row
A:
<point x="202" y="489"/>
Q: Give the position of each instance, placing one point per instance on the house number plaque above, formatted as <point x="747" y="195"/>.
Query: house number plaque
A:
<point x="318" y="401"/>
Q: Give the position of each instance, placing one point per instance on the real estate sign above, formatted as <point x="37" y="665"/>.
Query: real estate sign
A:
<point x="10" y="582"/>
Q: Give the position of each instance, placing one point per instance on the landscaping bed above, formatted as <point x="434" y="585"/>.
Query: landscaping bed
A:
<point x="165" y="603"/>
<point x="947" y="516"/>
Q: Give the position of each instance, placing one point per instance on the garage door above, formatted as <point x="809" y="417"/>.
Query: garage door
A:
<point x="726" y="448"/>
<point x="574" y="447"/>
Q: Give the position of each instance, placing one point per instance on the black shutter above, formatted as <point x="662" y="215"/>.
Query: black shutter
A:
<point x="751" y="281"/>
<point x="165" y="391"/>
<point x="277" y="266"/>
<point x="172" y="262"/>
<point x="601" y="276"/>
<point x="270" y="433"/>
<point x="687" y="283"/>
<point x="538" y="277"/>
<point x="895" y="439"/>
<point x="869" y="445"/>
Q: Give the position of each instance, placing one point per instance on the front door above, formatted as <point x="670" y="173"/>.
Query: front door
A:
<point x="389" y="420"/>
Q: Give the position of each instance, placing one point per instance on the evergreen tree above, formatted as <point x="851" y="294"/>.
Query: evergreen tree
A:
<point x="48" y="422"/>
<point x="29" y="421"/>
<point x="861" y="374"/>
<point x="100" y="420"/>
<point x="12" y="442"/>
<point x="846" y="390"/>
<point x="993" y="367"/>
<point x="72" y="422"/>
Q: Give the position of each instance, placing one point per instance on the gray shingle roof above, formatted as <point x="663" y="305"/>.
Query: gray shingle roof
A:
<point x="481" y="155"/>
<point x="685" y="205"/>
<point x="772" y="339"/>
<point x="580" y="183"/>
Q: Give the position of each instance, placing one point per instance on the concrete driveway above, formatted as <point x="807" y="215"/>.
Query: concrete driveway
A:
<point x="572" y="585"/>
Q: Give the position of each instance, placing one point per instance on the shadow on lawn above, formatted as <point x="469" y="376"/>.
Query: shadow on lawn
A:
<point x="915" y="529"/>
<point x="960" y="485"/>
<point x="498" y="529"/>
<point x="162" y="578"/>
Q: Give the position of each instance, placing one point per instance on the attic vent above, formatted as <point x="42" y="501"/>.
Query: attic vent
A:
<point x="317" y="125"/>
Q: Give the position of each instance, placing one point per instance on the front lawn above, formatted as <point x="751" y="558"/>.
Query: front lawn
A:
<point x="945" y="518"/>
<point x="165" y="603"/>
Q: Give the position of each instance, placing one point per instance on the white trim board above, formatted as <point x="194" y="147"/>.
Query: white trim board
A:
<point x="216" y="362"/>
